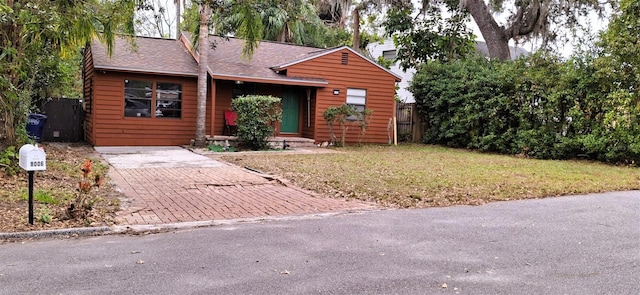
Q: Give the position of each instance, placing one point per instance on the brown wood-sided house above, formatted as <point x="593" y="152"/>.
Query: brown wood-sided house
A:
<point x="145" y="94"/>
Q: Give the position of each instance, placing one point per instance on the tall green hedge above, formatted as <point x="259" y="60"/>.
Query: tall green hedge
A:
<point x="537" y="106"/>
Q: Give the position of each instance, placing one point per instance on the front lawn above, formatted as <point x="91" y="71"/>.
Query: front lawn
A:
<point x="424" y="176"/>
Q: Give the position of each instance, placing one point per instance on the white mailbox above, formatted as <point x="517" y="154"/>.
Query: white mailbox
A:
<point x="32" y="158"/>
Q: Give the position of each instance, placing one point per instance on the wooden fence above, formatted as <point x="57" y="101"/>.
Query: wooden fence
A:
<point x="408" y="122"/>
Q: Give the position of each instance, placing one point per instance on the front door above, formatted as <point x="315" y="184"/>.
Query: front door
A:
<point x="290" y="112"/>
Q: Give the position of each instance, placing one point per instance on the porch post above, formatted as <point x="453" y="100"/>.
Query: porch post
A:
<point x="308" y="107"/>
<point x="212" y="101"/>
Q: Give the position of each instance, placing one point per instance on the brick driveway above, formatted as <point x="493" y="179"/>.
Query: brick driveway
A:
<point x="169" y="185"/>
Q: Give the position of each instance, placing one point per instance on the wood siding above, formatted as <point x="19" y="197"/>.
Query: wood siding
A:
<point x="111" y="128"/>
<point x="87" y="94"/>
<point x="357" y="73"/>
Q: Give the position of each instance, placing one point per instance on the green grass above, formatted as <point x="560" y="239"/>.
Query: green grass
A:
<point x="423" y="176"/>
<point x="47" y="196"/>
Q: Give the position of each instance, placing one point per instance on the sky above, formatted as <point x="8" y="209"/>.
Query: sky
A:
<point x="591" y="21"/>
<point x="564" y="48"/>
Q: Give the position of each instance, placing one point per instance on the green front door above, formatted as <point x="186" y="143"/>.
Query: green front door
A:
<point x="290" y="112"/>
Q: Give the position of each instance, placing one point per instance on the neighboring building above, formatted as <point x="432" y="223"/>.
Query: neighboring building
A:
<point x="148" y="97"/>
<point x="388" y="50"/>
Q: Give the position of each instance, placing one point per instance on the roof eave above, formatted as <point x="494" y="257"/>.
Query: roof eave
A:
<point x="293" y="82"/>
<point x="144" y="71"/>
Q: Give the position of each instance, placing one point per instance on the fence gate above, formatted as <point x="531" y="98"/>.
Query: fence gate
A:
<point x="404" y="121"/>
<point x="64" y="120"/>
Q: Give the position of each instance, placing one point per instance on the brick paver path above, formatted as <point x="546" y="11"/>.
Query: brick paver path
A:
<point x="178" y="194"/>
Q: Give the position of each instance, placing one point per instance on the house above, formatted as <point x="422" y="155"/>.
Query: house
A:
<point x="145" y="93"/>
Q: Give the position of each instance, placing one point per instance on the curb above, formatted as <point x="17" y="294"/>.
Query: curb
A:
<point x="163" y="227"/>
<point x="41" y="234"/>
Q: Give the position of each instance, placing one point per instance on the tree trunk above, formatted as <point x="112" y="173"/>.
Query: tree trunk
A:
<point x="203" y="49"/>
<point x="496" y="37"/>
<point x="356" y="29"/>
<point x="178" y="19"/>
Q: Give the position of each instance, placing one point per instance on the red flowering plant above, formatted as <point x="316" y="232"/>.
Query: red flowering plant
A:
<point x="83" y="203"/>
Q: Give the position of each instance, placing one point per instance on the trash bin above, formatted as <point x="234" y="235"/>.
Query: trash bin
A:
<point x="35" y="126"/>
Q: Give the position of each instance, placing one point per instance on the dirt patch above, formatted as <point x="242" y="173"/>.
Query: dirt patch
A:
<point x="54" y="190"/>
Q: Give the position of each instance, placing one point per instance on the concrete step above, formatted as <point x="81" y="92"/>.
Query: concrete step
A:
<point x="275" y="142"/>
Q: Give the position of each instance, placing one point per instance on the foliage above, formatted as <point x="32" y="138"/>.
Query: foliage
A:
<point x="9" y="160"/>
<point x="345" y="116"/>
<point x="541" y="106"/>
<point x="84" y="201"/>
<point x="257" y="114"/>
<point x="296" y="22"/>
<point x="219" y="148"/>
<point x="44" y="214"/>
<point x="39" y="44"/>
<point x="429" y="36"/>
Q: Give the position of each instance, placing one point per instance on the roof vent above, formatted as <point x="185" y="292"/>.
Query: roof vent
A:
<point x="345" y="58"/>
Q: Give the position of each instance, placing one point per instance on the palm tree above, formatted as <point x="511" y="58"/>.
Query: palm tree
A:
<point x="203" y="48"/>
<point x="339" y="12"/>
<point x="294" y="21"/>
<point x="248" y="27"/>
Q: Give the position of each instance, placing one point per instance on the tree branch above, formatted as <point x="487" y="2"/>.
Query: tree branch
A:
<point x="525" y="20"/>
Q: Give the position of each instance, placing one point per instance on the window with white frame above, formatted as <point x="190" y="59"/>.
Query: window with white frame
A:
<point x="356" y="98"/>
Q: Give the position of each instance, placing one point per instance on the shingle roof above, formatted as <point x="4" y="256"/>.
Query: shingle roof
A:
<point x="148" y="55"/>
<point x="226" y="60"/>
<point x="168" y="56"/>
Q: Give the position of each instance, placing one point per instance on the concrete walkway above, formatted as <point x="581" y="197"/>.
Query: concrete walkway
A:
<point x="172" y="184"/>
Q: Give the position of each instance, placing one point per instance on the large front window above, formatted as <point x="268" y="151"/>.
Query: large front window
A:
<point x="152" y="99"/>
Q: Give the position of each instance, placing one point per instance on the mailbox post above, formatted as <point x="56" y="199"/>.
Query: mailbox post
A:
<point x="32" y="159"/>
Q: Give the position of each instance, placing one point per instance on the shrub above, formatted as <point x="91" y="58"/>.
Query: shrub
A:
<point x="257" y="115"/>
<point x="9" y="160"/>
<point x="84" y="201"/>
<point x="343" y="117"/>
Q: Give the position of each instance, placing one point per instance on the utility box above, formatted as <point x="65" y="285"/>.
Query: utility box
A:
<point x="32" y="158"/>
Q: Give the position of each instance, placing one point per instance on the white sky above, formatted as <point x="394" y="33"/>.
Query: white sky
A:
<point x="565" y="48"/>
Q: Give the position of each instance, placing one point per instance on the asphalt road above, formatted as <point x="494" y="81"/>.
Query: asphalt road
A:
<point x="568" y="245"/>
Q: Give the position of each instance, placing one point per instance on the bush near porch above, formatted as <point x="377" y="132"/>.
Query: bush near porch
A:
<point x="257" y="114"/>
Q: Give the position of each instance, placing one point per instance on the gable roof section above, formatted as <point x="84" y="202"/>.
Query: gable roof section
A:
<point x="317" y="54"/>
<point x="148" y="55"/>
<point x="226" y="62"/>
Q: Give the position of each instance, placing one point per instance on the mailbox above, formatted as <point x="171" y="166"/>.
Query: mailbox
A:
<point x="32" y="158"/>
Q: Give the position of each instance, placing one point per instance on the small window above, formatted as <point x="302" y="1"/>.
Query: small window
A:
<point x="356" y="98"/>
<point x="137" y="98"/>
<point x="168" y="100"/>
<point x="389" y="54"/>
